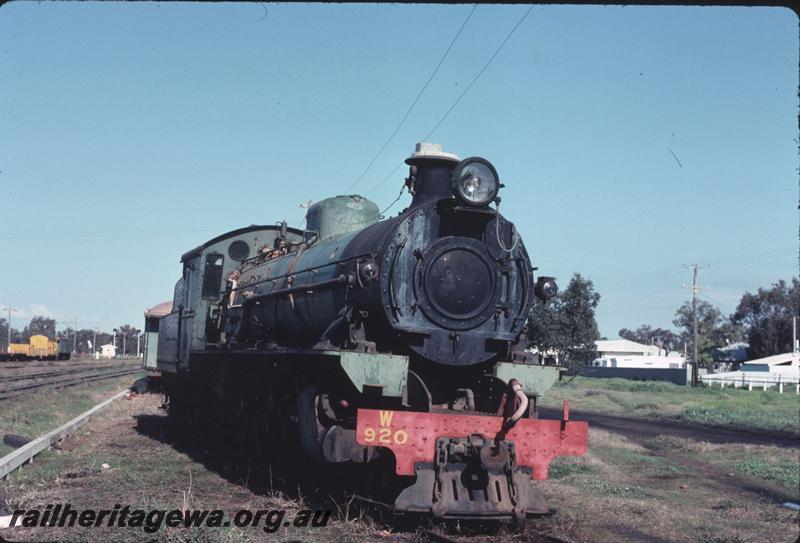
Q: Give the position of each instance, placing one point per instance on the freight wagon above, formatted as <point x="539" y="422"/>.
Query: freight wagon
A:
<point x="38" y="347"/>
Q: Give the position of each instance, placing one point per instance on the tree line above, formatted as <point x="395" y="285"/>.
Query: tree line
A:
<point x="565" y="327"/>
<point x="81" y="339"/>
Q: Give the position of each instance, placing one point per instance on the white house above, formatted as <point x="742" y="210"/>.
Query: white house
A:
<point x="108" y="351"/>
<point x="607" y="348"/>
<point x="623" y="353"/>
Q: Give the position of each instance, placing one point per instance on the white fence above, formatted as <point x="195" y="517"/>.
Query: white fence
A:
<point x="750" y="381"/>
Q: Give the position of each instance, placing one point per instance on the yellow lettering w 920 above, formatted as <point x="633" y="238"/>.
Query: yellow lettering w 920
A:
<point x="384" y="435"/>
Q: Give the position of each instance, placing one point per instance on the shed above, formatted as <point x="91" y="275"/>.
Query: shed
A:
<point x="108" y="351"/>
<point x="152" y="316"/>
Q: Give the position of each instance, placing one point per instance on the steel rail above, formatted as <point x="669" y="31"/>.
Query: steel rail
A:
<point x="25" y="454"/>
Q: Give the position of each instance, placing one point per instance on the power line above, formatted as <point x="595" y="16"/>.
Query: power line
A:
<point x="477" y="76"/>
<point x="463" y="93"/>
<point x="387" y="208"/>
<point x="643" y="278"/>
<point x="386" y="178"/>
<point x="414" y="103"/>
<point x="100" y="233"/>
<point x="402" y="121"/>
<point x="635" y="304"/>
<point x="719" y="261"/>
<point x="758" y="255"/>
<point x="709" y="298"/>
<point x="733" y="284"/>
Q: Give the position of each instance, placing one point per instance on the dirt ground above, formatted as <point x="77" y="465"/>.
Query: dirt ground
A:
<point x="662" y="484"/>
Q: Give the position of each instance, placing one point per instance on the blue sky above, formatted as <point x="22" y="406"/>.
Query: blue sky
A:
<point x="130" y="133"/>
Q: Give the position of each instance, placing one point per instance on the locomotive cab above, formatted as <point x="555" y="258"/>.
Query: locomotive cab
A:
<point x="192" y="323"/>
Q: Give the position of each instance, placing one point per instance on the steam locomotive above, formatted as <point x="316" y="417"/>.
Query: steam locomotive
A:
<point x="361" y="339"/>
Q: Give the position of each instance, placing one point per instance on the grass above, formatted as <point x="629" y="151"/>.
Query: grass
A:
<point x="562" y="469"/>
<point x="37" y="413"/>
<point x="766" y="411"/>
<point x="607" y="488"/>
<point x="774" y="468"/>
<point x="785" y="473"/>
<point x="672" y="489"/>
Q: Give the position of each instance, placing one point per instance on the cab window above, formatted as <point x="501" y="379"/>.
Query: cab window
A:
<point x="212" y="276"/>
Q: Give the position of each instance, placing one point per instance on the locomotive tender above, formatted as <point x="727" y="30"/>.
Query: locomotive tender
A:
<point x="363" y="339"/>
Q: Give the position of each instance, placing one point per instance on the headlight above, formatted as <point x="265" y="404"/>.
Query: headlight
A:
<point x="545" y="288"/>
<point x="475" y="181"/>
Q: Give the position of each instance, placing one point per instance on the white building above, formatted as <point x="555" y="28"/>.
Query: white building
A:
<point x="623" y="353"/>
<point x="107" y="351"/>
<point x="624" y="347"/>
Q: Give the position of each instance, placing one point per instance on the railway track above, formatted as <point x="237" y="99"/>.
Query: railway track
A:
<point x="40" y="364"/>
<point x="15" y="365"/>
<point x="61" y="381"/>
<point x="67" y="370"/>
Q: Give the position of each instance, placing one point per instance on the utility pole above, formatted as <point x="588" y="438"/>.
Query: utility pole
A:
<point x="8" y="345"/>
<point x="695" y="290"/>
<point x="94" y="342"/>
<point x="75" y="336"/>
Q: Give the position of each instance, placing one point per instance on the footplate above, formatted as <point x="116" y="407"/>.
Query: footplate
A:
<point x="472" y="477"/>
